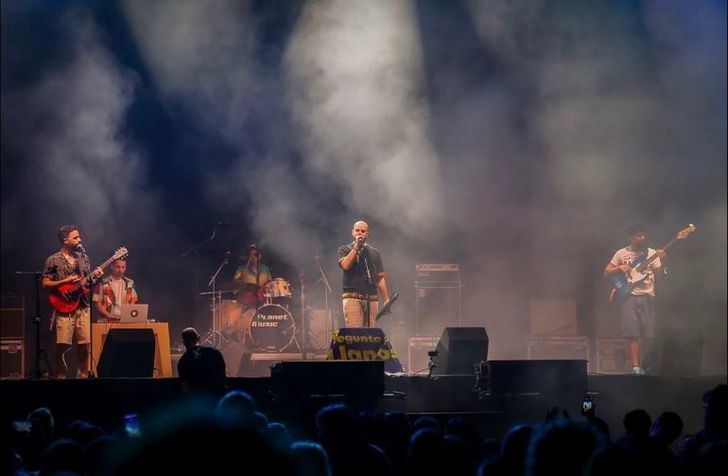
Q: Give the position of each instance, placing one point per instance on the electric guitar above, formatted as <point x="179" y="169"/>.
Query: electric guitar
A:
<point x="66" y="297"/>
<point x="387" y="308"/>
<point x="622" y="284"/>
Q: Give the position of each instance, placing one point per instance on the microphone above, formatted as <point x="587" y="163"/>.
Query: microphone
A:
<point x="223" y="222"/>
<point x="80" y="249"/>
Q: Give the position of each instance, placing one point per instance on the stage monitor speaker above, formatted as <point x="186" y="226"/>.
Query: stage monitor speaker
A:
<point x="359" y="382"/>
<point x="127" y="353"/>
<point x="679" y="352"/>
<point x="459" y="349"/>
<point x="545" y="377"/>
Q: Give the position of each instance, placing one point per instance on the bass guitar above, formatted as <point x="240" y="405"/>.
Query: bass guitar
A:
<point x="387" y="308"/>
<point x="66" y="297"/>
<point x="622" y="284"/>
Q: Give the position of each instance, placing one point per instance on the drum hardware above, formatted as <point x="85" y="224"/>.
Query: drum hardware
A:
<point x="215" y="337"/>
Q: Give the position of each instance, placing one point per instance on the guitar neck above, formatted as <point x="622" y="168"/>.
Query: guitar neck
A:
<point x="104" y="265"/>
<point x="667" y="246"/>
<point x="107" y="262"/>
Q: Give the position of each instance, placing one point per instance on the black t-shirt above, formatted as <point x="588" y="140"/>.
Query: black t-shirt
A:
<point x="203" y="368"/>
<point x="367" y="271"/>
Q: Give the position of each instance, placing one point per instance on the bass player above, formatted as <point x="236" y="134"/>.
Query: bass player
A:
<point x="637" y="309"/>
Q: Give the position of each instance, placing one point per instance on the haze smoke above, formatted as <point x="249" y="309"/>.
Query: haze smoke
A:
<point x="515" y="137"/>
<point x="68" y="129"/>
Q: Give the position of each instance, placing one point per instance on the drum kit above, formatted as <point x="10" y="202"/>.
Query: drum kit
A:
<point x="260" y="317"/>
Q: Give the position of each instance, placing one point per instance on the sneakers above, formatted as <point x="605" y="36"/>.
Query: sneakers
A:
<point x="638" y="371"/>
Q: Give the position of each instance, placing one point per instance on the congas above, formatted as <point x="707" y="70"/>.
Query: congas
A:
<point x="272" y="329"/>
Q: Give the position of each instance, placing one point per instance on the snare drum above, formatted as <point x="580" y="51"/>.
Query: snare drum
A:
<point x="272" y="329"/>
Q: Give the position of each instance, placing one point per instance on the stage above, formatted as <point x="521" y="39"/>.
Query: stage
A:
<point x="106" y="401"/>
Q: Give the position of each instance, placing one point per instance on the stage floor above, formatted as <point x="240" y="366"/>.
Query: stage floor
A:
<point x="106" y="401"/>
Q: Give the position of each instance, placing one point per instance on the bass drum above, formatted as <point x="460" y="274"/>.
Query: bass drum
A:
<point x="272" y="329"/>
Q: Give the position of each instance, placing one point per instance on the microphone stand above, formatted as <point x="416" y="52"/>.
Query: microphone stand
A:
<point x="214" y="335"/>
<point x="37" y="373"/>
<point x="304" y="326"/>
<point x="201" y="243"/>
<point x="368" y="306"/>
<point x="327" y="290"/>
<point x="196" y="271"/>
<point x="83" y="257"/>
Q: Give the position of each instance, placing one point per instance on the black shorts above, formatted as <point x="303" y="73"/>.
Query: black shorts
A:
<point x="638" y="316"/>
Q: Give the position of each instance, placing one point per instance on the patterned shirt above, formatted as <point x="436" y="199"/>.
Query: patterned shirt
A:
<point x="108" y="297"/>
<point x="57" y="268"/>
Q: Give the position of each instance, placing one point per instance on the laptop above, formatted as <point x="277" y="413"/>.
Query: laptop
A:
<point x="134" y="313"/>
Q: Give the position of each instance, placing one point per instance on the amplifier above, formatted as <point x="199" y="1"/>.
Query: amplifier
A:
<point x="437" y="307"/>
<point x="437" y="272"/>
<point x="613" y="356"/>
<point x="12" y="358"/>
<point x="417" y="358"/>
<point x="439" y="298"/>
<point x="553" y="317"/>
<point x="12" y="317"/>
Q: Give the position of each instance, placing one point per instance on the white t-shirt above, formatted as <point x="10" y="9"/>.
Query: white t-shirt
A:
<point x="118" y="287"/>
<point x="626" y="256"/>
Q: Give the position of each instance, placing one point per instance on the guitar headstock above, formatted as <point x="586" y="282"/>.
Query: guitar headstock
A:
<point x="682" y="234"/>
<point x="120" y="253"/>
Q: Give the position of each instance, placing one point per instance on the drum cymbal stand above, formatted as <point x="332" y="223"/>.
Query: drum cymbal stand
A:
<point x="215" y="337"/>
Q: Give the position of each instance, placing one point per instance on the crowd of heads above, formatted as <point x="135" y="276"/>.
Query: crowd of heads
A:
<point x="205" y="435"/>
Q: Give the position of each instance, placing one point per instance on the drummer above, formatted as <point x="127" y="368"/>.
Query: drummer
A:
<point x="251" y="278"/>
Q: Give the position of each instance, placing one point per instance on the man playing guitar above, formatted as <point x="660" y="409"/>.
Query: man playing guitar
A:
<point x="70" y="265"/>
<point x="637" y="308"/>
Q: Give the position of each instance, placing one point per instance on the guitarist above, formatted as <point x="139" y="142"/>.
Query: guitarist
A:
<point x="70" y="265"/>
<point x="364" y="278"/>
<point x="637" y="310"/>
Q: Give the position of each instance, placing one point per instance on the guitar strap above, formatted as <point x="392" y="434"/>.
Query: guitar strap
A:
<point x="639" y="259"/>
